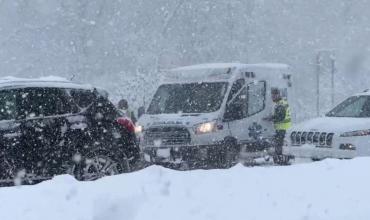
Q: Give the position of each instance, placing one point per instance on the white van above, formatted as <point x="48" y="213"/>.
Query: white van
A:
<point x="207" y="113"/>
<point x="343" y="133"/>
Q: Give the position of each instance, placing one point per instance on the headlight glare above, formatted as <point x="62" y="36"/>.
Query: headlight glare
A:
<point x="206" y="127"/>
<point x="138" y="129"/>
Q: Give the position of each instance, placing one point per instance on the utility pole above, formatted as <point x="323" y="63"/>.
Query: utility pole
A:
<point x="333" y="71"/>
<point x="231" y="21"/>
<point x="325" y="79"/>
<point x="318" y="70"/>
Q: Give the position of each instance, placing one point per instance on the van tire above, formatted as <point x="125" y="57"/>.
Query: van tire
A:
<point x="229" y="153"/>
<point x="281" y="160"/>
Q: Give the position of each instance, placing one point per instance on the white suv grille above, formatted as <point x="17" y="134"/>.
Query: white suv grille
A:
<point x="167" y="136"/>
<point x="320" y="139"/>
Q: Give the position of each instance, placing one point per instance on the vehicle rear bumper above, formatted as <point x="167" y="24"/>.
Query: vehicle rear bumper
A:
<point x="314" y="152"/>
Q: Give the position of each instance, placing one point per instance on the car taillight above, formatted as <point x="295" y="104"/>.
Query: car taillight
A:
<point x="127" y="123"/>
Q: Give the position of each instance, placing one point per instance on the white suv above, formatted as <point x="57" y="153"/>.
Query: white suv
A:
<point x="343" y="133"/>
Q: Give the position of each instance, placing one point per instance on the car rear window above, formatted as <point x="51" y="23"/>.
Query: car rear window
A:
<point x="83" y="98"/>
<point x="95" y="102"/>
<point x="7" y="105"/>
<point x="35" y="102"/>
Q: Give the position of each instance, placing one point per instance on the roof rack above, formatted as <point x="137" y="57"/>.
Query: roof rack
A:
<point x="35" y="81"/>
<point x="52" y="81"/>
<point x="47" y="79"/>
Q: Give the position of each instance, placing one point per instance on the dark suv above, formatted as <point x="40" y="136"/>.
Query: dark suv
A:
<point x="56" y="127"/>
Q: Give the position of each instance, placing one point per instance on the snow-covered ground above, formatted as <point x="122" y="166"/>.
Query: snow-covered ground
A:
<point x="331" y="189"/>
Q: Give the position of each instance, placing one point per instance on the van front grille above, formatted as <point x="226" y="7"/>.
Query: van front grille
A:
<point x="165" y="136"/>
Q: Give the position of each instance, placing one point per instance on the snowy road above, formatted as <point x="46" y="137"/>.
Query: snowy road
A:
<point x="330" y="189"/>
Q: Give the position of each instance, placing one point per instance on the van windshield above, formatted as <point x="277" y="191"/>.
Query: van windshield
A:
<point x="356" y="106"/>
<point x="188" y="98"/>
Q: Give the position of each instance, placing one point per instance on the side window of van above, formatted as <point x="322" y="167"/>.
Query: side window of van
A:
<point x="238" y="84"/>
<point x="256" y="97"/>
<point x="237" y="102"/>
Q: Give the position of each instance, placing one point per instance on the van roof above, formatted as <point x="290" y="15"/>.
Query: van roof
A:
<point x="230" y="65"/>
<point x="49" y="81"/>
<point x="210" y="72"/>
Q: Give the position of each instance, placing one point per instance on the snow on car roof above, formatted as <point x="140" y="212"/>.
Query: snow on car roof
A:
<point x="365" y="92"/>
<point x="230" y="65"/>
<point x="48" y="81"/>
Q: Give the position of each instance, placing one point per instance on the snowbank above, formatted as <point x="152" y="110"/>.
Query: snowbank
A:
<point x="331" y="189"/>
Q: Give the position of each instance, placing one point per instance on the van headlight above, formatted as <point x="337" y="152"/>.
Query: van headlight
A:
<point x="206" y="127"/>
<point x="356" y="133"/>
<point x="138" y="129"/>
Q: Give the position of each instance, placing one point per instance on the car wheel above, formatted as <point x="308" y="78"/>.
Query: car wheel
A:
<point x="95" y="166"/>
<point x="230" y="154"/>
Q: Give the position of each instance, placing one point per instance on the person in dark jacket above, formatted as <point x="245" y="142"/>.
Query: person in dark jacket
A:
<point x="125" y="110"/>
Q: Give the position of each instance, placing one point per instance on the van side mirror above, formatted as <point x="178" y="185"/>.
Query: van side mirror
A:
<point x="140" y="111"/>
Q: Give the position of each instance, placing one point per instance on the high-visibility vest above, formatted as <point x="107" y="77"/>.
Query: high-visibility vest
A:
<point x="287" y="122"/>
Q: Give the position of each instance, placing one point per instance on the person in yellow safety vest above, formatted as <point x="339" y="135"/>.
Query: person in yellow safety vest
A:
<point x="281" y="118"/>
